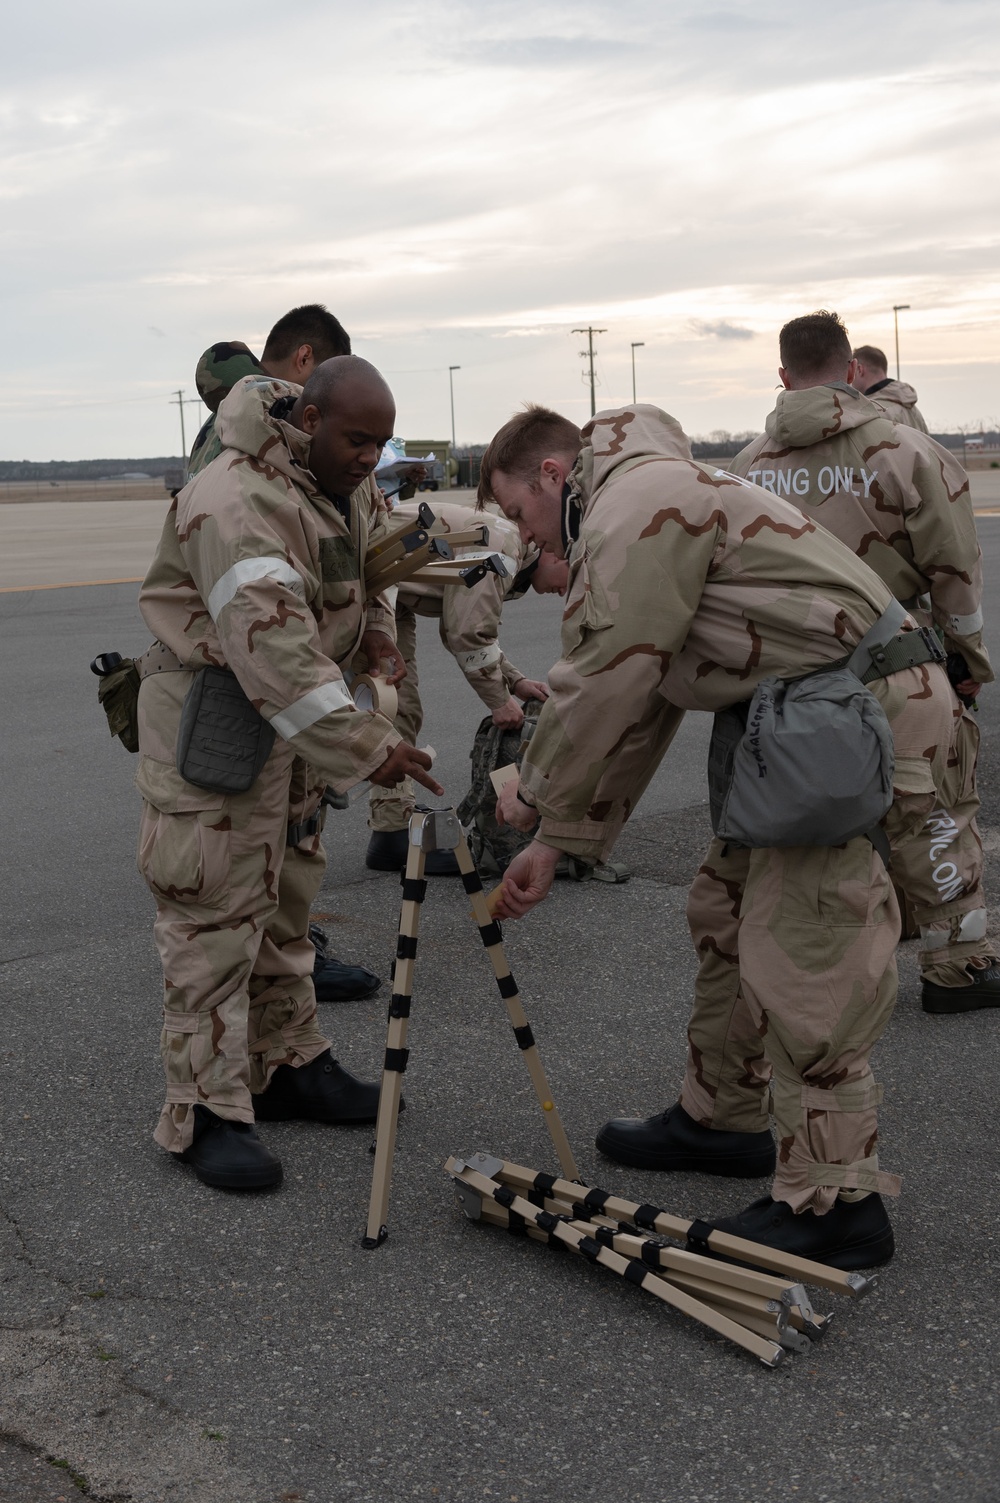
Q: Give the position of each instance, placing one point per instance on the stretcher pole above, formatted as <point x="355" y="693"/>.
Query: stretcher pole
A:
<point x="652" y="1218"/>
<point x="396" y="1052"/>
<point x="492" y="938"/>
<point x="767" y="1350"/>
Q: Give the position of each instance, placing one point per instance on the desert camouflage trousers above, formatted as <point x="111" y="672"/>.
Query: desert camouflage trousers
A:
<point x="797" y="972"/>
<point x="390" y="808"/>
<point x="232" y="917"/>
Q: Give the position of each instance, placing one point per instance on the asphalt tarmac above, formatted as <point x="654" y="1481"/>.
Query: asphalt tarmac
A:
<point x="162" y="1341"/>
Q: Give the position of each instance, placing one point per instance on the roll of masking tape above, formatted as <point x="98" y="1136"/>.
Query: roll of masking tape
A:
<point x="372" y="692"/>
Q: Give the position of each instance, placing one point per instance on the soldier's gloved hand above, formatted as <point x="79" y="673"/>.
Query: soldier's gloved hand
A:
<point x="530" y="688"/>
<point x="383" y="656"/>
<point x="405" y="762"/>
<point x="527" y="880"/>
<point x="509" y="716"/>
<point x="513" y="811"/>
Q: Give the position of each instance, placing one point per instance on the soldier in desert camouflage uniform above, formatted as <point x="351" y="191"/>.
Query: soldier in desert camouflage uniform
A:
<point x="301" y="339"/>
<point x="260" y="569"/>
<point x="469" y="621"/>
<point x="687" y="588"/>
<point x="901" y="503"/>
<point x="897" y="399"/>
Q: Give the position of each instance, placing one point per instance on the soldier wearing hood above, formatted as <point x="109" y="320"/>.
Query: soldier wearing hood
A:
<point x="687" y="588"/>
<point x="260" y="570"/>
<point x="301" y="339"/>
<point x="897" y="399"/>
<point x="901" y="502"/>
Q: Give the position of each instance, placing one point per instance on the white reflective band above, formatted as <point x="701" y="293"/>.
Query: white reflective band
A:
<point x="965" y="626"/>
<point x="971" y="928"/>
<point x="245" y="571"/>
<point x="484" y="658"/>
<point x="310" y="708"/>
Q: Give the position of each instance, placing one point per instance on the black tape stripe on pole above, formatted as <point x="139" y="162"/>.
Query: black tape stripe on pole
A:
<point x="652" y="1218"/>
<point x="396" y="1052"/>
<point x="634" y="1272"/>
<point x="489" y="931"/>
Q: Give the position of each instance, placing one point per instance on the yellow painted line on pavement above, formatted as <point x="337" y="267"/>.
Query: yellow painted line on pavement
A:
<point x="70" y="584"/>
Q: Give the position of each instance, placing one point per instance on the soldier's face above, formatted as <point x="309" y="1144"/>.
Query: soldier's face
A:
<point x="535" y="508"/>
<point x="348" y="440"/>
<point x="551" y="575"/>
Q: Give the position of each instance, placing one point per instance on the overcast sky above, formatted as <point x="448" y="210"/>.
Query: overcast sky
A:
<point x="464" y="183"/>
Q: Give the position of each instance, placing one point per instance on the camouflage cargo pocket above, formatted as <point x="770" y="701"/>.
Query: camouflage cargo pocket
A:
<point x="186" y="858"/>
<point x="185" y="841"/>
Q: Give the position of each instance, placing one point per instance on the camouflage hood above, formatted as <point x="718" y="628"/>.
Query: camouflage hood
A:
<point x="624" y="435"/>
<point x="219" y="369"/>
<point x="246" y="422"/>
<point x="817" y="414"/>
<point x="900" y="392"/>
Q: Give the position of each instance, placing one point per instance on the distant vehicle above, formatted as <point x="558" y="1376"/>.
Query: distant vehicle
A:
<point x="441" y="469"/>
<point x="174" y="479"/>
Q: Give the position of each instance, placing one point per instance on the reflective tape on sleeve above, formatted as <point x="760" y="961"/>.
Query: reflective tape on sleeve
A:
<point x="305" y="712"/>
<point x="966" y="626"/>
<point x="483" y="657"/>
<point x="246" y="571"/>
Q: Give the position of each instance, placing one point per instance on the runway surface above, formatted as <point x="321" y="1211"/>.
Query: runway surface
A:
<point x="169" y="1342"/>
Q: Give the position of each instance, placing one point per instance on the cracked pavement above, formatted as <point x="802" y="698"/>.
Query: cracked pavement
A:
<point x="167" y="1342"/>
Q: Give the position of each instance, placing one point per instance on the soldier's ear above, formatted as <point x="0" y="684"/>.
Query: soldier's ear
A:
<point x="309" y="418"/>
<point x="784" y="378"/>
<point x="304" y="361"/>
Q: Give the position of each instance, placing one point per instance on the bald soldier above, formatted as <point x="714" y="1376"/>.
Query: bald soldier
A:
<point x="469" y="624"/>
<point x="897" y="399"/>
<point x="901" y="502"/>
<point x="300" y="340"/>
<point x="688" y="588"/>
<point x="256" y="597"/>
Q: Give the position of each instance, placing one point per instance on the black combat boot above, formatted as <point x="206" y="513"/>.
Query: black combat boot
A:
<point x="673" y="1140"/>
<point x="387" y="850"/>
<point x="321" y="1091"/>
<point x="229" y="1155"/>
<point x="852" y="1234"/>
<point x="336" y="981"/>
<point x="983" y="990"/>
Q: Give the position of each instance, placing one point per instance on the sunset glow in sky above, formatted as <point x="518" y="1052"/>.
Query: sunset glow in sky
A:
<point x="464" y="183"/>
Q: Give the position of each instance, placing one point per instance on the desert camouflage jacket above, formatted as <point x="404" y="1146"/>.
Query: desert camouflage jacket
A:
<point x="893" y="495"/>
<point x="898" y="400"/>
<point x="470" y="619"/>
<point x="257" y="570"/>
<point x="218" y="371"/>
<point x="687" y="587"/>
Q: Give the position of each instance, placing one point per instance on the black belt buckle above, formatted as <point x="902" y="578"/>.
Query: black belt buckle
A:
<point x="310" y="826"/>
<point x="933" y="644"/>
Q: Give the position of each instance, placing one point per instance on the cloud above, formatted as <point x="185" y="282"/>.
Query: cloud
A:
<point x="720" y="330"/>
<point x="484" y="179"/>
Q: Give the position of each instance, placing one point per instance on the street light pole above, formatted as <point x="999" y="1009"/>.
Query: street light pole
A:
<point x="897" y="309"/>
<point x="180" y="401"/>
<point x="589" y="352"/>
<point x="637" y="344"/>
<point x="451" y="393"/>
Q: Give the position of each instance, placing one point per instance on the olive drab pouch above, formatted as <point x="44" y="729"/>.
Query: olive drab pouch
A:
<point x="118" y="695"/>
<point x="222" y="741"/>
